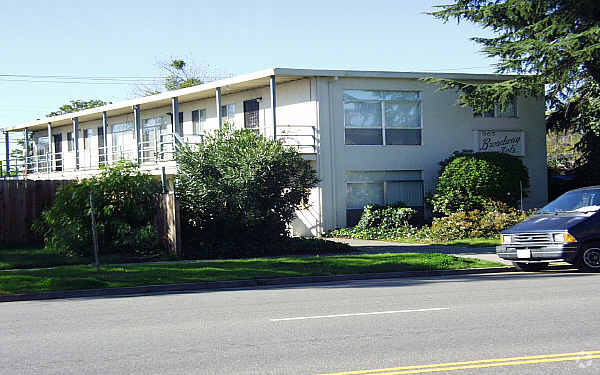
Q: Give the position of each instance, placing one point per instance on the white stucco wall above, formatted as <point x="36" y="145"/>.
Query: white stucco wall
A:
<point x="446" y="128"/>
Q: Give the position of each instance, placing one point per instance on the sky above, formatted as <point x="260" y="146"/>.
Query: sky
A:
<point x="83" y="42"/>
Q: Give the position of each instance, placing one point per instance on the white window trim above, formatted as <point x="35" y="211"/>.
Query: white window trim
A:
<point x="498" y="110"/>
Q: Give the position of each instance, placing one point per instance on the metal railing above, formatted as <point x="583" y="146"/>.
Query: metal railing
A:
<point x="155" y="147"/>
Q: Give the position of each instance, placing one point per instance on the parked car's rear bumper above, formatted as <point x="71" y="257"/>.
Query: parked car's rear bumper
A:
<point x="567" y="252"/>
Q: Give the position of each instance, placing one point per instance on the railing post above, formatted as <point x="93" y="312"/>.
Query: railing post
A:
<point x="273" y="105"/>
<point x="7" y="140"/>
<point x="76" y="140"/>
<point x="26" y="143"/>
<point x="138" y="132"/>
<point x="156" y="151"/>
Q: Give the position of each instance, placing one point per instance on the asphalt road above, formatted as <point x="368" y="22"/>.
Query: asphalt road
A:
<point x="318" y="329"/>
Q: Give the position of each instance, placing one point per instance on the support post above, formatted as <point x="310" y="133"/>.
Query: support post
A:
<point x="175" y="125"/>
<point x="50" y="156"/>
<point x="76" y="140"/>
<point x="274" y="105"/>
<point x="219" y="114"/>
<point x="7" y="140"/>
<point x="138" y="132"/>
<point x="26" y="143"/>
<point x="104" y="136"/>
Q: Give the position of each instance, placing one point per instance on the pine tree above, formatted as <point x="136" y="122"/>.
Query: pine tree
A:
<point x="553" y="48"/>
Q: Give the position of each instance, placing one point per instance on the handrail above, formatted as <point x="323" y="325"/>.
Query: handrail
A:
<point x="156" y="147"/>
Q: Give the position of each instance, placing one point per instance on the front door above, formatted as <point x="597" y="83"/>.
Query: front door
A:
<point x="251" y="114"/>
<point x="58" y="154"/>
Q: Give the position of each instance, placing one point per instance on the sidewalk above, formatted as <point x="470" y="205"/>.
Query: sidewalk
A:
<point x="375" y="247"/>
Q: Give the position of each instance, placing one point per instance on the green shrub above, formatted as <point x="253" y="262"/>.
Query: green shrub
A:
<point x="238" y="188"/>
<point x="385" y="217"/>
<point x="467" y="181"/>
<point x="124" y="203"/>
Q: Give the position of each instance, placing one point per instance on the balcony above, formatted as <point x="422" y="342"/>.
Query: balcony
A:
<point x="156" y="150"/>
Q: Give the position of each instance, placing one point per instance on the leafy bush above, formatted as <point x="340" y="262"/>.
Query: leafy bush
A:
<point x="385" y="217"/>
<point x="486" y="223"/>
<point x="124" y="202"/>
<point x="237" y="187"/>
<point x="467" y="181"/>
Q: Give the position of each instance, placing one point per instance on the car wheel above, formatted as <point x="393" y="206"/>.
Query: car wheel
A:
<point x="589" y="259"/>
<point x="530" y="267"/>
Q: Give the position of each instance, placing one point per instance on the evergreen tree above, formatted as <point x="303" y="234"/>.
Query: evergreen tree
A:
<point x="553" y="46"/>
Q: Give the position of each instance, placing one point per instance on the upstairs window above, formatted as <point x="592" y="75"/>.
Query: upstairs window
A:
<point x="509" y="111"/>
<point x="228" y="113"/>
<point x="198" y="121"/>
<point x="70" y="141"/>
<point x="382" y="117"/>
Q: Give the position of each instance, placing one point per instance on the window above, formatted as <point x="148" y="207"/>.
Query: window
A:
<point x="123" y="139"/>
<point x="381" y="188"/>
<point x="251" y="118"/>
<point x="228" y="113"/>
<point x="86" y="135"/>
<point x="198" y="121"/>
<point x="509" y="111"/>
<point x="70" y="141"/>
<point x="382" y="117"/>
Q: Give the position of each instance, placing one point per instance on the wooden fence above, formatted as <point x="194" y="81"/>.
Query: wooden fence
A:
<point x="22" y="202"/>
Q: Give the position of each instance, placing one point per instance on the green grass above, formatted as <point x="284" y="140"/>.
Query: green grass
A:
<point x="86" y="277"/>
<point x="30" y="257"/>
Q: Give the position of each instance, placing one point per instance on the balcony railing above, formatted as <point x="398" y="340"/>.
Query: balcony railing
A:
<point x="156" y="147"/>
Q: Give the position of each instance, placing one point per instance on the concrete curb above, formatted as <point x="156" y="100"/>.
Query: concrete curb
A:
<point x="218" y="285"/>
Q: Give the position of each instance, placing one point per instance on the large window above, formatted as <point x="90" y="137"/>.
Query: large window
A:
<point x="382" y="117"/>
<point x="123" y="140"/>
<point x="381" y="188"/>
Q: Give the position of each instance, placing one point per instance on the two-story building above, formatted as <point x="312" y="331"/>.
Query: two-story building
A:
<point x="373" y="137"/>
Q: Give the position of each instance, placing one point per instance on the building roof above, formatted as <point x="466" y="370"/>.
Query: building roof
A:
<point x="236" y="84"/>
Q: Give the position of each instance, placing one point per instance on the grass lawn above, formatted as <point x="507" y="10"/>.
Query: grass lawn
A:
<point x="85" y="277"/>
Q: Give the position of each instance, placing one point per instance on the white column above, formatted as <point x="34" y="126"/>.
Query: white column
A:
<point x="219" y="114"/>
<point x="274" y="105"/>
<point x="50" y="157"/>
<point x="76" y="140"/>
<point x="138" y="133"/>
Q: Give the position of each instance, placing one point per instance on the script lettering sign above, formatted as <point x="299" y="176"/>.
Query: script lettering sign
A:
<point x="510" y="142"/>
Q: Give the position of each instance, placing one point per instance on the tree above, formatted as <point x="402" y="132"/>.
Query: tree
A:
<point x="470" y="181"/>
<point x="179" y="75"/>
<point x="124" y="203"/>
<point x="77" y="105"/>
<point x="551" y="44"/>
<point x="238" y="187"/>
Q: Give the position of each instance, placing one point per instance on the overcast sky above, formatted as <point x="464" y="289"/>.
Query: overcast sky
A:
<point x="81" y="41"/>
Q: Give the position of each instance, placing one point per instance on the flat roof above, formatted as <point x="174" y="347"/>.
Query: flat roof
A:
<point x="235" y="84"/>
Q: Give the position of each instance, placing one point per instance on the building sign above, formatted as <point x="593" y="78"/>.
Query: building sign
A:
<point x="507" y="141"/>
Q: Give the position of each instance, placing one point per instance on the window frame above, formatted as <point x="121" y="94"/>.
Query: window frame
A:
<point x="384" y="126"/>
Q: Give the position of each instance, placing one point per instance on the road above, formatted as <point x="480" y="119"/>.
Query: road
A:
<point x="318" y="329"/>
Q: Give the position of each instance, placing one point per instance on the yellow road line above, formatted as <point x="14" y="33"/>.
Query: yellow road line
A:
<point x="584" y="355"/>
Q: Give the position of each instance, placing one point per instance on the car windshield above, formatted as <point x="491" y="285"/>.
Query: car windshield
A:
<point x="583" y="201"/>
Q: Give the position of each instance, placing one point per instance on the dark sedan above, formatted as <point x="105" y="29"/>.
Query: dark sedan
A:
<point x="566" y="229"/>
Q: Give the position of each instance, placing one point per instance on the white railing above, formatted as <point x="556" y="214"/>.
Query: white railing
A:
<point x="155" y="147"/>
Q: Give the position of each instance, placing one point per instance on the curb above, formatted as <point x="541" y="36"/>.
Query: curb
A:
<point x="219" y="285"/>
